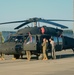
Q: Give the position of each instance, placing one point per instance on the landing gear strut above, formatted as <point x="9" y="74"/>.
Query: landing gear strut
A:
<point x="73" y="50"/>
<point x="17" y="56"/>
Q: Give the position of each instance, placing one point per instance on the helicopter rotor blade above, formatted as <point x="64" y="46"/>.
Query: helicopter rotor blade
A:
<point x="42" y="20"/>
<point x="22" y="25"/>
<point x="27" y="22"/>
<point x="49" y="21"/>
<point x="36" y="19"/>
<point x="60" y="20"/>
<point x="53" y="23"/>
<point x="12" y="22"/>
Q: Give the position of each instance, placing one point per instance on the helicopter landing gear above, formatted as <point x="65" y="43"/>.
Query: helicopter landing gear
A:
<point x="40" y="57"/>
<point x="21" y="56"/>
<point x="73" y="50"/>
<point x="37" y="56"/>
<point x="16" y="56"/>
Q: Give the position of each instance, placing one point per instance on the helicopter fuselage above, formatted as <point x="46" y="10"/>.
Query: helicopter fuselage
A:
<point x="15" y="44"/>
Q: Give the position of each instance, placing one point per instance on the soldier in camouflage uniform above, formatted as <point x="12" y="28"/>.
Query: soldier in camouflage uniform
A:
<point x="52" y="48"/>
<point x="1" y="41"/>
<point x="44" y="49"/>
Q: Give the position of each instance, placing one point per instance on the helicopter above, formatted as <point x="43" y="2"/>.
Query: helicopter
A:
<point x="15" y="44"/>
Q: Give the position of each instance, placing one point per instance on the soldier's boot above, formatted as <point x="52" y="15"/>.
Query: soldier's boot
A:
<point x="28" y="58"/>
<point x="46" y="57"/>
<point x="2" y="56"/>
<point x="29" y="55"/>
<point x="13" y="58"/>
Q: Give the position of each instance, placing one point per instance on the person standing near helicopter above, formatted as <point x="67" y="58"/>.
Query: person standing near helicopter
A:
<point x="52" y="48"/>
<point x="44" y="48"/>
<point x="28" y="53"/>
<point x="2" y="41"/>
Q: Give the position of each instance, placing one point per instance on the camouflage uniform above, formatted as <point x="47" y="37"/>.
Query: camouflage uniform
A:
<point x="53" y="49"/>
<point x="1" y="41"/>
<point x="28" y="54"/>
<point x="44" y="50"/>
<point x="1" y="38"/>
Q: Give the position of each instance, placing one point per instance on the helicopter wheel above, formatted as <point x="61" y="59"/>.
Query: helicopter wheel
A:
<point x="21" y="55"/>
<point x="17" y="56"/>
<point x="37" y="56"/>
<point x="73" y="50"/>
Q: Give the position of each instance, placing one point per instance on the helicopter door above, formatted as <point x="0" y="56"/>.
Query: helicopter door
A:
<point x="30" y="43"/>
<point x="58" y="43"/>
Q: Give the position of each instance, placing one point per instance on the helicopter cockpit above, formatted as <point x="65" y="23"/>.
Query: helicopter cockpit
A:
<point x="17" y="39"/>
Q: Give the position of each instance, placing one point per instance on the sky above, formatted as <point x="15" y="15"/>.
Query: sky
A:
<point x="14" y="10"/>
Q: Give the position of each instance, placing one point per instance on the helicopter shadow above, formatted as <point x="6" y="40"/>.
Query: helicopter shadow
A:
<point x="65" y="56"/>
<point x="57" y="56"/>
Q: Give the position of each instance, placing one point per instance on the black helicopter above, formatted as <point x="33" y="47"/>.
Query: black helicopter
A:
<point x="15" y="43"/>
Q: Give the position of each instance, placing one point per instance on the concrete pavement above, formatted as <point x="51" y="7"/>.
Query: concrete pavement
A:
<point x="62" y="66"/>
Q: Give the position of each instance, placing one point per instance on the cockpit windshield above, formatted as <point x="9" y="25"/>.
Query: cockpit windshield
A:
<point x="16" y="39"/>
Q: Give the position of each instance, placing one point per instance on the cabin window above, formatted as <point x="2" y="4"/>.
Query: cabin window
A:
<point x="60" y="40"/>
<point x="33" y="39"/>
<point x="55" y="39"/>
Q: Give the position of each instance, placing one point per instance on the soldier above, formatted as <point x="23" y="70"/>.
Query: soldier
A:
<point x="47" y="47"/>
<point x="1" y="38"/>
<point x="1" y="41"/>
<point x="28" y="53"/>
<point x="44" y="49"/>
<point x="52" y="48"/>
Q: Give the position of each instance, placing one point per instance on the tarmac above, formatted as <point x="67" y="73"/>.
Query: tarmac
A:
<point x="63" y="65"/>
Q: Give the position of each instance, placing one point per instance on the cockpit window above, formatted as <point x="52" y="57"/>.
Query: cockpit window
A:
<point x="12" y="39"/>
<point x="16" y="39"/>
<point x="19" y="38"/>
